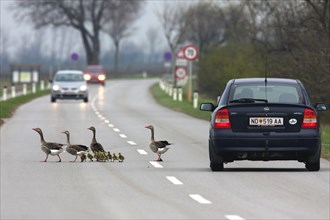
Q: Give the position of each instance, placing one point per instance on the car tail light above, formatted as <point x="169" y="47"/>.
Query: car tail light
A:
<point x="310" y="119"/>
<point x="222" y="119"/>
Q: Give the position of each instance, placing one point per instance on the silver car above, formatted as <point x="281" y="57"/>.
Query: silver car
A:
<point x="69" y="84"/>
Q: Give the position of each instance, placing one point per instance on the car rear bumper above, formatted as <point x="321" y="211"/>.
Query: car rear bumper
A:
<point x="261" y="146"/>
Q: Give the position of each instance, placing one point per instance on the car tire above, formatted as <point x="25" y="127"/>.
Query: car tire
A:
<point x="313" y="162"/>
<point x="216" y="161"/>
<point x="52" y="99"/>
<point x="86" y="99"/>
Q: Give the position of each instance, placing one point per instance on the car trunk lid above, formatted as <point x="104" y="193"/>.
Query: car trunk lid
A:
<point x="266" y="117"/>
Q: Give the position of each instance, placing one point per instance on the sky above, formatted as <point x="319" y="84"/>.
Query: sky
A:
<point x="15" y="30"/>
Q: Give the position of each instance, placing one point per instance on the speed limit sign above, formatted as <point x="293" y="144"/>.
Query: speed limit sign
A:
<point x="190" y="52"/>
<point x="180" y="72"/>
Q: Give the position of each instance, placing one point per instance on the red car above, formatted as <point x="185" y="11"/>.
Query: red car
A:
<point x="95" y="74"/>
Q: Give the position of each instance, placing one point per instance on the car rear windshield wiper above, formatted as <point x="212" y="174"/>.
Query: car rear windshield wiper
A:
<point x="248" y="100"/>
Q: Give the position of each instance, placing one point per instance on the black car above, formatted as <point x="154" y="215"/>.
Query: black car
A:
<point x="264" y="119"/>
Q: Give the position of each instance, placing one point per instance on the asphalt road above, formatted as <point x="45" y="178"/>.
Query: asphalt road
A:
<point x="180" y="187"/>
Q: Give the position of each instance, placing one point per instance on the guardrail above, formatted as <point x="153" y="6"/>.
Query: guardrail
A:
<point x="12" y="92"/>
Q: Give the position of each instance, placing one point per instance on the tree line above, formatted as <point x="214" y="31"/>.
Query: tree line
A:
<point x="246" y="38"/>
<point x="252" y="38"/>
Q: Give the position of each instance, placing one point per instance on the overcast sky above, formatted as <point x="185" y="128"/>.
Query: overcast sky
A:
<point x="15" y="30"/>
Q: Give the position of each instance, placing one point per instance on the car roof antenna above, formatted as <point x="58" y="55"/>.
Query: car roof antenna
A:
<point x="266" y="73"/>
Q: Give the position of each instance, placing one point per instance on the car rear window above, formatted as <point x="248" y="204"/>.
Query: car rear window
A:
<point x="69" y="77"/>
<point x="273" y="93"/>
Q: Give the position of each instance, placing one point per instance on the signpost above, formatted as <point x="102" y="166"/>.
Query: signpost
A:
<point x="184" y="58"/>
<point x="190" y="53"/>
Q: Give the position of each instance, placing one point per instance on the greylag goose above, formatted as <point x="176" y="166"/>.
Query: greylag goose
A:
<point x="95" y="146"/>
<point x="90" y="157"/>
<point x="158" y="147"/>
<point x="114" y="157"/>
<point x="75" y="149"/>
<point x="121" y="158"/>
<point x="50" y="148"/>
<point x="110" y="156"/>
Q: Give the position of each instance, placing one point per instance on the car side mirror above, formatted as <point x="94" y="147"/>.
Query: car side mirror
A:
<point x="207" y="107"/>
<point x="321" y="107"/>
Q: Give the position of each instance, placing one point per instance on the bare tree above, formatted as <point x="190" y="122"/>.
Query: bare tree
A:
<point x="174" y="28"/>
<point x="119" y="23"/>
<point x="204" y="25"/>
<point x="86" y="16"/>
<point x="152" y="35"/>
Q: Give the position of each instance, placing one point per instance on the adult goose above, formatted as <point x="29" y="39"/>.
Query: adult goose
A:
<point x="95" y="146"/>
<point x="50" y="148"/>
<point x="158" y="147"/>
<point x="75" y="149"/>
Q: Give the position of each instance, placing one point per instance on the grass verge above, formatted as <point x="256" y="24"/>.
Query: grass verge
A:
<point x="8" y="107"/>
<point x="186" y="107"/>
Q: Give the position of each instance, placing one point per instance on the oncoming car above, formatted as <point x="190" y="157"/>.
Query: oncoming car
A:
<point x="264" y="119"/>
<point x="95" y="74"/>
<point x="69" y="84"/>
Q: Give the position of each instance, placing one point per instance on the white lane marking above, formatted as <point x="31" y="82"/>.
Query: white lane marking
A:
<point x="142" y="152"/>
<point x="234" y="217"/>
<point x="122" y="135"/>
<point x="131" y="142"/>
<point x="107" y="121"/>
<point x="155" y="164"/>
<point x="199" y="199"/>
<point x="110" y="125"/>
<point x="116" y="129"/>
<point x="174" y="180"/>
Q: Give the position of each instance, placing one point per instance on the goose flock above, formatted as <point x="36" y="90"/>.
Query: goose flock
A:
<point x="96" y="150"/>
<point x="78" y="150"/>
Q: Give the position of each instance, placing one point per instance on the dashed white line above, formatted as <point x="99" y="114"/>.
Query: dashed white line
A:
<point x="155" y="164"/>
<point x="142" y="152"/>
<point x="234" y="217"/>
<point x="106" y="121"/>
<point x="111" y="125"/>
<point x="122" y="135"/>
<point x="174" y="180"/>
<point x="199" y="199"/>
<point x="131" y="142"/>
<point x="116" y="129"/>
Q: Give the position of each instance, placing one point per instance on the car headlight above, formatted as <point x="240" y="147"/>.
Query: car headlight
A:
<point x="87" y="77"/>
<point x="56" y="87"/>
<point x="101" y="77"/>
<point x="83" y="88"/>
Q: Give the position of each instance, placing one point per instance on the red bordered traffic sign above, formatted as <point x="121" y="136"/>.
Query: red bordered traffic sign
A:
<point x="180" y="53"/>
<point x="180" y="72"/>
<point x="190" y="52"/>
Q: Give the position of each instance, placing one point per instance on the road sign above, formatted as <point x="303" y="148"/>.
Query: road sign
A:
<point x="167" y="56"/>
<point x="74" y="56"/>
<point x="190" y="52"/>
<point x="180" y="53"/>
<point x="181" y="62"/>
<point x="180" y="72"/>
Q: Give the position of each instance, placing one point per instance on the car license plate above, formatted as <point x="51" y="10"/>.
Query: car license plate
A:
<point x="266" y="121"/>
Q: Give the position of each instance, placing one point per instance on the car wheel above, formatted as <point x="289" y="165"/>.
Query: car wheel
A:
<point x="86" y="99"/>
<point x="313" y="162"/>
<point x="52" y="99"/>
<point x="216" y="161"/>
